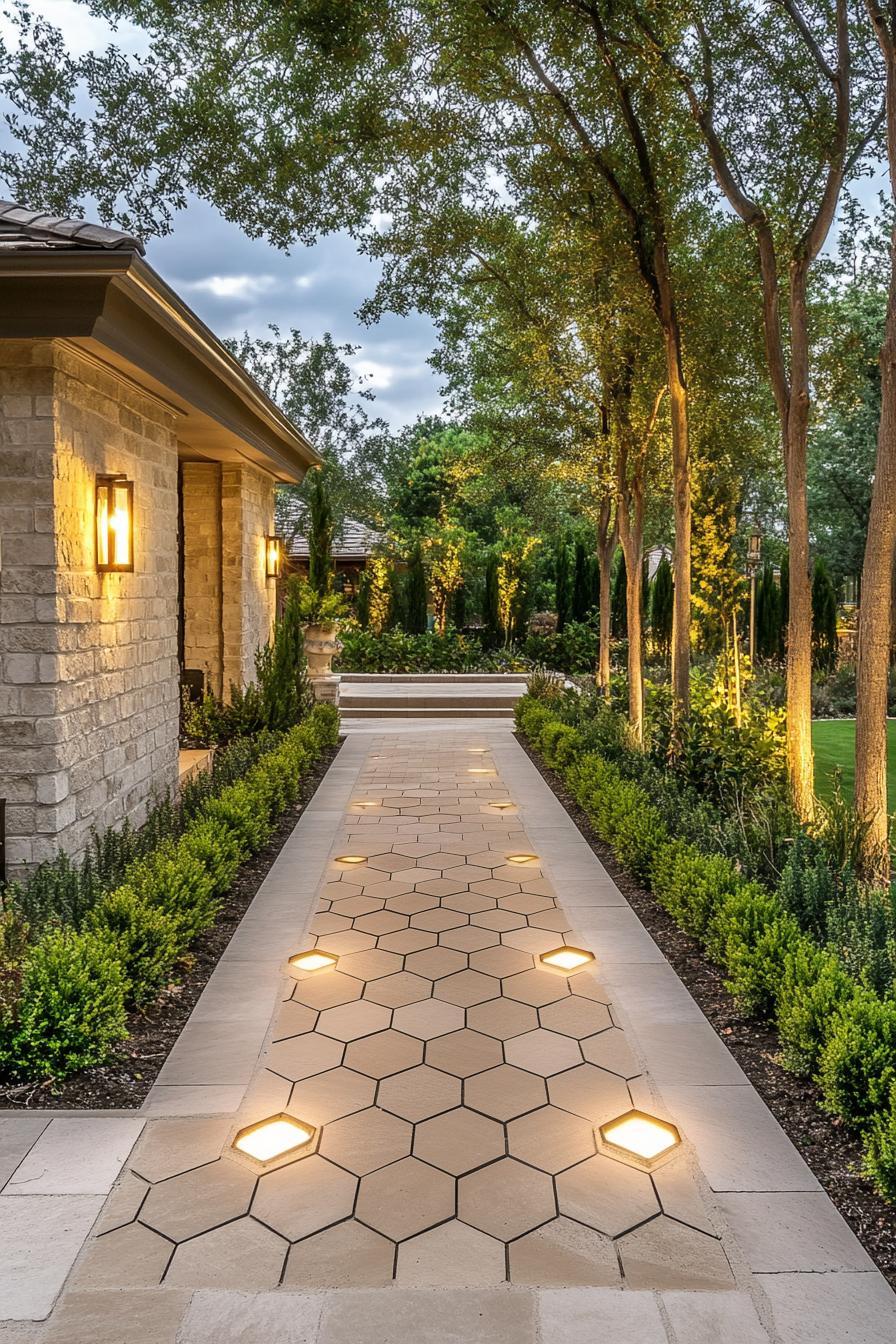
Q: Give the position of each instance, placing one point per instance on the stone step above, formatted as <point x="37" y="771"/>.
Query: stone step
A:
<point x="391" y="710"/>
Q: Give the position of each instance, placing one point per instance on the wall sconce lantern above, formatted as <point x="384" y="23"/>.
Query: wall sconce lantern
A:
<point x="114" y="525"/>
<point x="754" y="548"/>
<point x="273" y="557"/>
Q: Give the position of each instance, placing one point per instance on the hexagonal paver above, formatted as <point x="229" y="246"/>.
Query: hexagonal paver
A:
<point x="394" y="990"/>
<point x="293" y="1019"/>
<point x="419" y="1093"/>
<point x="506" y="1199"/>
<point x="611" y="1051"/>
<point x="464" y="1053"/>
<point x="564" y="1254"/>
<point x="505" y="1092"/>
<point x="384" y="921"/>
<point x="467" y="987"/>
<point x="407" y="940"/>
<point x="327" y="1096"/>
<point x="430" y="1018"/>
<point x="371" y="965"/>
<point x="606" y="1195"/>
<point x="468" y="903"/>
<point x="335" y="891"/>
<point x="353" y="909"/>
<point x="242" y="1254"/>
<point x="411" y="903"/>
<point x="304" y="1197"/>
<point x="502" y="1018"/>
<point x="500" y="961"/>
<point x="387" y="862"/>
<point x="436" y="962"/>
<point x="435" y="921"/>
<point x="352" y="1020"/>
<point x="533" y="941"/>
<point x="499" y="920"/>
<point x="585" y="984"/>
<point x="441" y="886"/>
<point x="301" y="1056"/>
<point x="384" y="1053"/>
<point x="494" y="889"/>
<point x="349" y="1255"/>
<point x="131" y="1256"/>
<point x="329" y="923"/>
<point x="536" y="987"/>
<point x="550" y="1139"/>
<point x="405" y="1198"/>
<point x="556" y="920"/>
<point x="544" y="1052"/>
<point x="524" y="903"/>
<point x="469" y="938"/>
<point x="663" y="1255"/>
<point x="183" y="1206"/>
<point x="590" y="1092"/>
<point x="459" y="1141"/>
<point x="450" y="1256"/>
<point x="575" y="1016"/>
<point x="328" y="990"/>
<point x="366" y="1140"/>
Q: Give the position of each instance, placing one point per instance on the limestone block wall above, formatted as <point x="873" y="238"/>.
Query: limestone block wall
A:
<point x="88" y="661"/>
<point x="202" y="581"/>
<point x="248" y="598"/>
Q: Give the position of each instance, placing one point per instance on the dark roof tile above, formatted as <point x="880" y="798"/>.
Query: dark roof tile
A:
<point x="23" y="230"/>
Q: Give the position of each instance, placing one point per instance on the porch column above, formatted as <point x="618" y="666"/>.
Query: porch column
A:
<point x="202" y="585"/>
<point x="248" y="598"/>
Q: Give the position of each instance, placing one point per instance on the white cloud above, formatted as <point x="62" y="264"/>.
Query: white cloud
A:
<point x="233" y="286"/>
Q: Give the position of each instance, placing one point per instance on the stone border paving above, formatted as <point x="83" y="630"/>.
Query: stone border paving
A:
<point x="825" y="1293"/>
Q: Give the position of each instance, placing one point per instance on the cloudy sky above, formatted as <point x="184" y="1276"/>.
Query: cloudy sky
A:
<point x="239" y="284"/>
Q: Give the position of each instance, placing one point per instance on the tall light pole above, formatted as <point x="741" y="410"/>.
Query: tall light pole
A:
<point x="754" y="556"/>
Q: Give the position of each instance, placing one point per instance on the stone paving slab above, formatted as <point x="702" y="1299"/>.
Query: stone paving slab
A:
<point x="456" y="1187"/>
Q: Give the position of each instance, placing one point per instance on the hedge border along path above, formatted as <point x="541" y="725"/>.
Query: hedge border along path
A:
<point x="77" y="985"/>
<point x="830" y="1028"/>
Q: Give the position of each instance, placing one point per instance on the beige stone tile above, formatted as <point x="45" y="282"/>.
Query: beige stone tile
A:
<point x="471" y="1315"/>
<point x="168" y="1147"/>
<point x="550" y="1139"/>
<point x="352" y="1020"/>
<point x="366" y="1140"/>
<point x="495" y="889"/>
<point x="130" y="1257"/>
<point x="533" y="941"/>
<point x="469" y="938"/>
<point x="345" y="943"/>
<point x="329" y="1096"/>
<point x="664" y="1254"/>
<point x="346" y="1256"/>
<point x="679" y="1196"/>
<point x="506" y="1199"/>
<point x="606" y="1195"/>
<point x="152" y="1317"/>
<point x="123" y="1204"/>
<point x="536" y="987"/>
<point x="502" y="1018"/>
<point x="499" y="921"/>
<point x="411" y="903"/>
<point x="373" y="964"/>
<point x="459" y="1141"/>
<point x="384" y="1053"/>
<point x="327" y="989"/>
<point x="339" y="891"/>
<point x="505" y="1092"/>
<point x="441" y="886"/>
<point x="354" y="909"/>
<point x="590" y="1092"/>
<point x="463" y="1053"/>
<point x="524" y="903"/>
<point x="384" y="921"/>
<point x="429" y="1018"/>
<point x="242" y="1254"/>
<point x="199" y="1200"/>
<point x="555" y="920"/>
<point x="437" y="921"/>
<point x="405" y="1198"/>
<point x="419" y="1093"/>
<point x="392" y="991"/>
<point x="584" y="983"/>
<point x="406" y="941"/>
<point x="564" y="1254"/>
<point x="467" y="987"/>
<point x="326" y="922"/>
<point x="388" y="863"/>
<point x="610" y="1050"/>
<point x="451" y="1256"/>
<point x="304" y="1197"/>
<point x="501" y="961"/>
<point x="301" y="1056"/>
<point x="292" y="1019"/>
<point x="436" y="962"/>
<point x="575" y="1016"/>
<point x="468" y="903"/>
<point x="544" y="1052"/>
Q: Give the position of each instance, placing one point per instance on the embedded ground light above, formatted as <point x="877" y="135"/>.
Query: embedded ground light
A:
<point x="351" y="858"/>
<point x="641" y="1136"/>
<point x="479" y="770"/>
<point x="567" y="958"/>
<point x="522" y="858"/>
<point x="315" y="959"/>
<point x="274" y="1137"/>
<point x="501" y="807"/>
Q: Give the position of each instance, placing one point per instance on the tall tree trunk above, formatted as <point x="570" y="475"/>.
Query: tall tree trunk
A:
<point x="873" y="650"/>
<point x="681" y="504"/>
<point x="632" y="553"/>
<point x="799" y="634"/>
<point x="606" y="545"/>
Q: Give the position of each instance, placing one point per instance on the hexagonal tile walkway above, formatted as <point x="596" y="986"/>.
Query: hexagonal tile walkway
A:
<point x="456" y="1085"/>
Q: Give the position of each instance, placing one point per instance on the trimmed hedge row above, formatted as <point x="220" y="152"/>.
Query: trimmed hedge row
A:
<point x="73" y="987"/>
<point x="831" y="1027"/>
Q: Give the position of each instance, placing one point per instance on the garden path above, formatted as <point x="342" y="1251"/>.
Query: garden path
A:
<point x="457" y="1187"/>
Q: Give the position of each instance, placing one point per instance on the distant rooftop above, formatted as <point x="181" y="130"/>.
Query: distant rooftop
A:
<point x="24" y="230"/>
<point x="352" y="541"/>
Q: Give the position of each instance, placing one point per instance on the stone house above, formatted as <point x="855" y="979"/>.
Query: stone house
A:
<point x="353" y="545"/>
<point x="138" y="465"/>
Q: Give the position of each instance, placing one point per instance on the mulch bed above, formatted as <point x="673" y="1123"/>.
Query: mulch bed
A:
<point x="125" y="1080"/>
<point x="829" y="1149"/>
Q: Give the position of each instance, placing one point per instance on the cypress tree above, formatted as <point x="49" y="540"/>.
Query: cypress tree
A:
<point x="563" y="583"/>
<point x="661" y="599"/>
<point x="824" y="616"/>
<point x="619" y="599"/>
<point x="415" y="622"/>
<point x="459" y="608"/>
<point x="581" y="601"/>
<point x="785" y="603"/>
<point x="320" y="541"/>
<point x="490" y="614"/>
<point x="362" y="605"/>
<point x="594" y="583"/>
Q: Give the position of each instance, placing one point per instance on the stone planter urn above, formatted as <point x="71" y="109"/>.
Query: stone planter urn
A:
<point x="322" y="643"/>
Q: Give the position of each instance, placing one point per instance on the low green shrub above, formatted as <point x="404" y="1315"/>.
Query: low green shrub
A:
<point x="857" y="1066"/>
<point x="751" y="935"/>
<point x="812" y="989"/>
<point x="148" y="940"/>
<point x="880" y="1149"/>
<point x="691" y="885"/>
<point x="395" y="652"/>
<point x="71" y="1010"/>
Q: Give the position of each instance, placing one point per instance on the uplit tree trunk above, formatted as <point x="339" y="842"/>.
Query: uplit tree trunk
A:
<point x="631" y="537"/>
<point x="681" y="503"/>
<point x="875" y="609"/>
<point x="606" y="545"/>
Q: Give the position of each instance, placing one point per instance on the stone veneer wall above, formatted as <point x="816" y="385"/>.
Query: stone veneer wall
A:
<point x="248" y="598"/>
<point x="88" y="661"/>
<point x="201" y="515"/>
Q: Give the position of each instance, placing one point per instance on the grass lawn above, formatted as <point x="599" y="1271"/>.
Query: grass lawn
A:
<point x="834" y="741"/>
